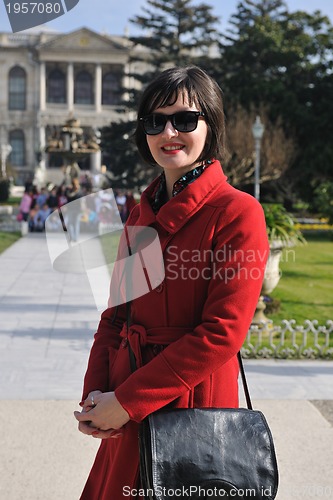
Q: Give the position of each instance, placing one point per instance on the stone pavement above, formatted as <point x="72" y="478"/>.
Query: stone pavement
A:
<point x="47" y="321"/>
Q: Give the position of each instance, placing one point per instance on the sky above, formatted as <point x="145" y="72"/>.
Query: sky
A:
<point x="111" y="16"/>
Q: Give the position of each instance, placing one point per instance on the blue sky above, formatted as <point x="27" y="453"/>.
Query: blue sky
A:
<point x="111" y="16"/>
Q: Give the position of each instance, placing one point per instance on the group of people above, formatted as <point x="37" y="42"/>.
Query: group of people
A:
<point x="36" y="205"/>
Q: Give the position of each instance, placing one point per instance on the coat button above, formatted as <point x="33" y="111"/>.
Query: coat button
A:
<point x="157" y="348"/>
<point x="158" y="286"/>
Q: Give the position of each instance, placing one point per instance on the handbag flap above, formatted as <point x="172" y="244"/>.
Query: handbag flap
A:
<point x="197" y="452"/>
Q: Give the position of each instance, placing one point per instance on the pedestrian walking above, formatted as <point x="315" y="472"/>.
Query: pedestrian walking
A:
<point x="74" y="209"/>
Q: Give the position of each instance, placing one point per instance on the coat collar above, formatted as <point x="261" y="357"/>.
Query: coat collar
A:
<point x="176" y="212"/>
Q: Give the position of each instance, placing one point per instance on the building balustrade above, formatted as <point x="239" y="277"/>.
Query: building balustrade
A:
<point x="289" y="340"/>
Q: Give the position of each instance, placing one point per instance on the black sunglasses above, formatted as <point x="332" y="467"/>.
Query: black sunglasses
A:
<point x="183" y="121"/>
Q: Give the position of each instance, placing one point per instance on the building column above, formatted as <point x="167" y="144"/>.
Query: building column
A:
<point x="42" y="84"/>
<point x="128" y="81"/>
<point x="70" y="87"/>
<point x="95" y="161"/>
<point x="98" y="88"/>
<point x="42" y="145"/>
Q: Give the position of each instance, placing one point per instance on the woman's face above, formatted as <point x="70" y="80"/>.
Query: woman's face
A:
<point x="178" y="151"/>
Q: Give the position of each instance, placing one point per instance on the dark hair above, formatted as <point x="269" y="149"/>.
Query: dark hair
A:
<point x="200" y="89"/>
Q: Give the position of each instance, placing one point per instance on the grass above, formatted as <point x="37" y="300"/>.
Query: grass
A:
<point x="12" y="200"/>
<point x="110" y="243"/>
<point x="7" y="239"/>
<point x="305" y="288"/>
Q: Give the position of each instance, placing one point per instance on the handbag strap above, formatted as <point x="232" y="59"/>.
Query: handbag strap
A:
<point x="244" y="381"/>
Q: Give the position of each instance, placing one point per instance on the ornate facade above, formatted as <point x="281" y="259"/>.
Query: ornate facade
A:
<point x="48" y="78"/>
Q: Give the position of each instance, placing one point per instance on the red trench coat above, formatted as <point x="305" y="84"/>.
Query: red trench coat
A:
<point x="203" y="317"/>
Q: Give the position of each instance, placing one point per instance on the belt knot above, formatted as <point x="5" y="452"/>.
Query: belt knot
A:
<point x="136" y="336"/>
<point x="139" y="332"/>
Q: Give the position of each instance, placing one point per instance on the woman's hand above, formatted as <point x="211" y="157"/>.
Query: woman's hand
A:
<point x="105" y="418"/>
<point x="88" y="404"/>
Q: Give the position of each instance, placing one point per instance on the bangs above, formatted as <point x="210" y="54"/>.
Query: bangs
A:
<point x="167" y="97"/>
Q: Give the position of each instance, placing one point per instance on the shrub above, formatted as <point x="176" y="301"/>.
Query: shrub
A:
<point x="281" y="227"/>
<point x="4" y="189"/>
<point x="323" y="200"/>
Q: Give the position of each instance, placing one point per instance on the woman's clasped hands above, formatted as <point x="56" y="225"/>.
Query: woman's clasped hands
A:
<point x="102" y="416"/>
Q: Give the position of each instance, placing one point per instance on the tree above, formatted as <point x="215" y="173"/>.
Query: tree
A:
<point x="252" y="51"/>
<point x="313" y="166"/>
<point x="277" y="149"/>
<point x="174" y="32"/>
<point x="120" y="155"/>
<point x="177" y="32"/>
<point x="281" y="61"/>
<point x="323" y="200"/>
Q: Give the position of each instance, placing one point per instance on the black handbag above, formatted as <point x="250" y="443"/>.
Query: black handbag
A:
<point x="207" y="453"/>
<point x="204" y="453"/>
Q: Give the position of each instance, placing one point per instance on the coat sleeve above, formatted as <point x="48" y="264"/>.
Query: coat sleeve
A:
<point x="106" y="343"/>
<point x="227" y="314"/>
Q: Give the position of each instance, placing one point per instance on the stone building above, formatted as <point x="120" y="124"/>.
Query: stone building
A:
<point x="49" y="78"/>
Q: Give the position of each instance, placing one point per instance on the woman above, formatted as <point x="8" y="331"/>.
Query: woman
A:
<point x="190" y="328"/>
<point x="25" y="205"/>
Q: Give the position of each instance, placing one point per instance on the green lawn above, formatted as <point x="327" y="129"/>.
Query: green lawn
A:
<point x="109" y="243"/>
<point x="7" y="239"/>
<point x="306" y="286"/>
<point x="12" y="200"/>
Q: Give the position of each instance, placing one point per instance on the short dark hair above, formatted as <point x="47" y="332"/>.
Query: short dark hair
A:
<point x="202" y="90"/>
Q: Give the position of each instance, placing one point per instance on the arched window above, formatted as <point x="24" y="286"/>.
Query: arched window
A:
<point x="110" y="89"/>
<point x="17" y="142"/>
<point x="83" y="91"/>
<point x="56" y="86"/>
<point x="17" y="87"/>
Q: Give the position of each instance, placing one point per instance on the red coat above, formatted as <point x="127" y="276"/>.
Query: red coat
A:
<point x="215" y="250"/>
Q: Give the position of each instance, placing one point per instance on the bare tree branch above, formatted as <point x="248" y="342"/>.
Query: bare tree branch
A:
<point x="278" y="150"/>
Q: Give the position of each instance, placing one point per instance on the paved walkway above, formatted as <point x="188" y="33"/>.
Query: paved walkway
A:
<point x="46" y="329"/>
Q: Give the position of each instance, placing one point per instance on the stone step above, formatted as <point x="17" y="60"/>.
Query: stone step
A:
<point x="8" y="221"/>
<point x="6" y="210"/>
<point x="10" y="227"/>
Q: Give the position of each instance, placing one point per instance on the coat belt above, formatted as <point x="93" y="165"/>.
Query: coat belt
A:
<point x="137" y="336"/>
